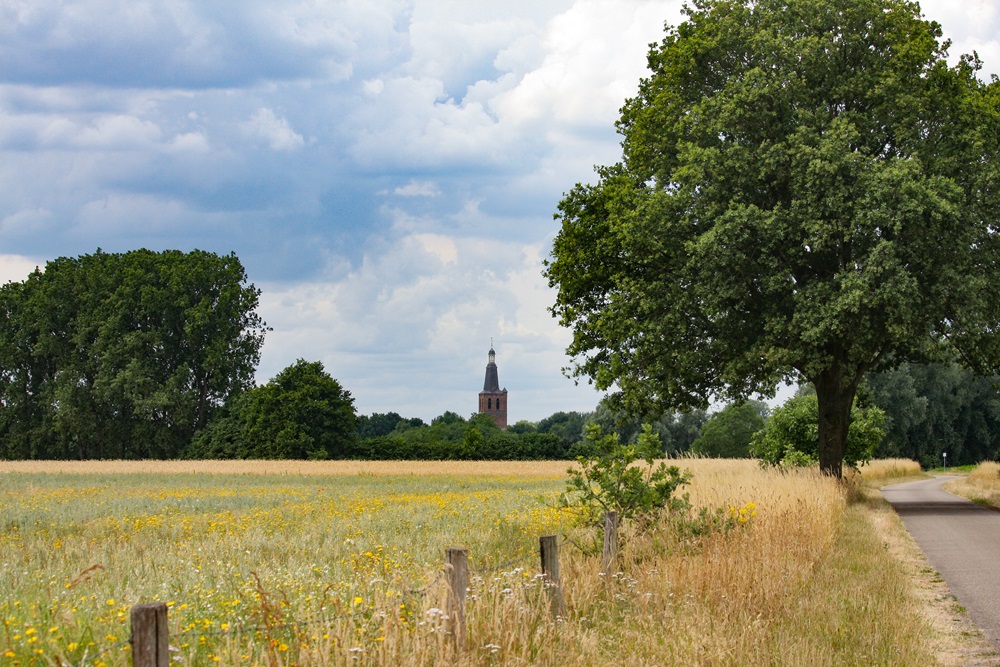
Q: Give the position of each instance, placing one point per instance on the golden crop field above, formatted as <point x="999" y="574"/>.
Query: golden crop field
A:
<point x="339" y="564"/>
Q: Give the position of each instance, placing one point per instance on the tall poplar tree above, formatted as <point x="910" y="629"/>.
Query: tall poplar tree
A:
<point x="808" y="191"/>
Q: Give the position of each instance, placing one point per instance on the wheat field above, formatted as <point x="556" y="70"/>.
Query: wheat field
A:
<point x="339" y="563"/>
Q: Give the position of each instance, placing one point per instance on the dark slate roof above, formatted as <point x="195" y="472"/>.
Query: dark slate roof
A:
<point x="492" y="382"/>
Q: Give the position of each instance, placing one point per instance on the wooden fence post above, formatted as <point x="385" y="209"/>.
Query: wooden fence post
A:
<point x="548" y="548"/>
<point x="458" y="582"/>
<point x="610" y="539"/>
<point x="150" y="639"/>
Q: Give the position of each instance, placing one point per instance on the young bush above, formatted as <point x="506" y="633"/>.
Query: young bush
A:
<point x="611" y="477"/>
<point x="791" y="435"/>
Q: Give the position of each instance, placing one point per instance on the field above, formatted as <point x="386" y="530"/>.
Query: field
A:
<point x="981" y="485"/>
<point x="316" y="563"/>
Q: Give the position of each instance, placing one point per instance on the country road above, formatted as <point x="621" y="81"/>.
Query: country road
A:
<point x="962" y="542"/>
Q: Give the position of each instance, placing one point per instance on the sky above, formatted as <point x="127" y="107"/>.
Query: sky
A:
<point x="386" y="170"/>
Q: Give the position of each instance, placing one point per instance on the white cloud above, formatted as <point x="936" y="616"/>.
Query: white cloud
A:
<point x="16" y="268"/>
<point x="188" y="142"/>
<point x="373" y="86"/>
<point x="27" y="221"/>
<point x="417" y="189"/>
<point x="595" y="56"/>
<point x="276" y="131"/>
<point x="409" y="329"/>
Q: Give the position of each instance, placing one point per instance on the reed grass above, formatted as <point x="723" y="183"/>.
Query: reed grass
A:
<point x="341" y="568"/>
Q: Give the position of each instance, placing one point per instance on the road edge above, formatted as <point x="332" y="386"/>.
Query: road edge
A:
<point x="957" y="642"/>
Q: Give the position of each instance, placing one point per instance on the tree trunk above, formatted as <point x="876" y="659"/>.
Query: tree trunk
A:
<point x="835" y="396"/>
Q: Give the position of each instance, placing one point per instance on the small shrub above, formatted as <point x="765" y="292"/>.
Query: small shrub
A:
<point x="790" y="438"/>
<point x="622" y="478"/>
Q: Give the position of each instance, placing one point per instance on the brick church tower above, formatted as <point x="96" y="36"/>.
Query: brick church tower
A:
<point x="493" y="400"/>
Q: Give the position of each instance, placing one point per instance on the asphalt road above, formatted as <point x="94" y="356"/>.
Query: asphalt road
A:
<point x="962" y="542"/>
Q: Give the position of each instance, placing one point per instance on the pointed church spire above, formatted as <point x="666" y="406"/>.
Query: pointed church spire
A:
<point x="492" y="399"/>
<point x="492" y="382"/>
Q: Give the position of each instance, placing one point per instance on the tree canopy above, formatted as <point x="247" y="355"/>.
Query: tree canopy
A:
<point x="791" y="435"/>
<point x="938" y="408"/>
<point x="123" y="355"/>
<point x="727" y="433"/>
<point x="808" y="191"/>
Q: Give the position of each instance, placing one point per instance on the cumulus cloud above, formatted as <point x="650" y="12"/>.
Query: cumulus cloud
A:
<point x="972" y="25"/>
<point x="386" y="170"/>
<point x="586" y="74"/>
<point x="274" y="130"/>
<point x="15" y="268"/>
<point x="141" y="43"/>
<point x="417" y="189"/>
<point x="408" y="329"/>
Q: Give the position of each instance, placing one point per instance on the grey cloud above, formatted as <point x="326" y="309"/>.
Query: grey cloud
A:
<point x="187" y="44"/>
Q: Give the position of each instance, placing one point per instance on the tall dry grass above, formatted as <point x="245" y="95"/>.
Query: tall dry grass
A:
<point x="342" y="569"/>
<point x="981" y="485"/>
<point x="887" y="469"/>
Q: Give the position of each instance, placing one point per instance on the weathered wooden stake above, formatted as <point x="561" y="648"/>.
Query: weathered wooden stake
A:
<point x="610" y="540"/>
<point x="548" y="548"/>
<point x="457" y="559"/>
<point x="150" y="639"/>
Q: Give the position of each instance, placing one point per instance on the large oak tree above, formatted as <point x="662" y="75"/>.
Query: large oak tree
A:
<point x="808" y="191"/>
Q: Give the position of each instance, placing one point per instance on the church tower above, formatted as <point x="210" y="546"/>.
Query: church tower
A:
<point x="493" y="400"/>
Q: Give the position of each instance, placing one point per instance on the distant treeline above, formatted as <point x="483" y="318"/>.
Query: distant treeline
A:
<point x="152" y="355"/>
<point x="451" y="436"/>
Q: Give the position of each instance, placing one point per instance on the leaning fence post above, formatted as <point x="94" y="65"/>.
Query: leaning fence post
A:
<point x="548" y="548"/>
<point x="458" y="582"/>
<point x="610" y="539"/>
<point x="150" y="639"/>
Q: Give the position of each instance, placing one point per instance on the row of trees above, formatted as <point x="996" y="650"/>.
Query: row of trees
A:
<point x="151" y="355"/>
<point x="915" y="411"/>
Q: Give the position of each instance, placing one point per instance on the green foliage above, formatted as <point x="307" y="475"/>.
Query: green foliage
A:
<point x="559" y="436"/>
<point x="481" y="446"/>
<point x="567" y="425"/>
<point x="727" y="433"/>
<point x="790" y="437"/>
<point x="123" y="355"/>
<point x="936" y="408"/>
<point x="300" y="413"/>
<point x="675" y="431"/>
<point x="808" y="190"/>
<point x="379" y="424"/>
<point x="611" y="477"/>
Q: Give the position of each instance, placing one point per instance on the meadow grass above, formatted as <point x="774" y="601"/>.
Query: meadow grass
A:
<point x="981" y="485"/>
<point x="888" y="470"/>
<point x="337" y="563"/>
